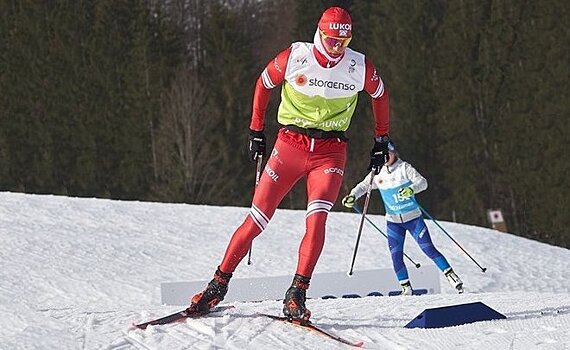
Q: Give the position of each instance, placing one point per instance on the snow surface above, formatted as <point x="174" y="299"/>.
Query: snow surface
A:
<point x="76" y="272"/>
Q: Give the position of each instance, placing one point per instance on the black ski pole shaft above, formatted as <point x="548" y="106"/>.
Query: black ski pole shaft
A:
<point x="355" y="208"/>
<point x="364" y="210"/>
<point x="448" y="235"/>
<point x="257" y="177"/>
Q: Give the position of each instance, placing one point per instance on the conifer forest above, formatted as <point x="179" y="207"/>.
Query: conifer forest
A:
<point x="151" y="100"/>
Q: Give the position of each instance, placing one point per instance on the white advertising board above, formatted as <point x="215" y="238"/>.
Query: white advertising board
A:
<point x="425" y="280"/>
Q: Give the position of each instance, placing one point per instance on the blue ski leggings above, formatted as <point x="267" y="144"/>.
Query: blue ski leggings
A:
<point x="419" y="230"/>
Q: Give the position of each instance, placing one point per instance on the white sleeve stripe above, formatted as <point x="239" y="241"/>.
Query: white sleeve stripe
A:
<point x="379" y="90"/>
<point x="267" y="80"/>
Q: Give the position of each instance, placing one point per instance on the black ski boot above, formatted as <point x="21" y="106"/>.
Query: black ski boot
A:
<point x="294" y="303"/>
<point x="213" y="294"/>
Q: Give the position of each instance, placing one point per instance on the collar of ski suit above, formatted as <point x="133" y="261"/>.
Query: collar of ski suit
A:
<point x="390" y="168"/>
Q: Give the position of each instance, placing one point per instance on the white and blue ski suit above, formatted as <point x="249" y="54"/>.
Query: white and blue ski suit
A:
<point x="402" y="214"/>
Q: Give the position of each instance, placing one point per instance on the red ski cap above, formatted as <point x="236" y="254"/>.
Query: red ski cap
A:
<point x="336" y="22"/>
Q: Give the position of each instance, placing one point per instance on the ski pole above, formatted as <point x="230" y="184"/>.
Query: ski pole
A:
<point x="257" y="177"/>
<point x="448" y="235"/>
<point x="355" y="208"/>
<point x="364" y="210"/>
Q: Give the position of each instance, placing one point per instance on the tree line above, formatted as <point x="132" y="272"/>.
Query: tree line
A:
<point x="151" y="100"/>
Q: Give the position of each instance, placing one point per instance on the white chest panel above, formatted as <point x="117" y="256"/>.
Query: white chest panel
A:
<point x="306" y="76"/>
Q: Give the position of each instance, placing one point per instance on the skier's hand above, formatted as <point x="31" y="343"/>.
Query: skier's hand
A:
<point x="379" y="154"/>
<point x="348" y="201"/>
<point x="406" y="192"/>
<point x="256" y="144"/>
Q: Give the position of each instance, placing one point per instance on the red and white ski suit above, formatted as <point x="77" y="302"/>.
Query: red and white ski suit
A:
<point x="297" y="155"/>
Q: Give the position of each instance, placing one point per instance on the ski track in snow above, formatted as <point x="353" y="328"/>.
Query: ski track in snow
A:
<point x="77" y="272"/>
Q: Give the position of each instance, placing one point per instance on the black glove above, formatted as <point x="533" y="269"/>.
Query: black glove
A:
<point x="379" y="153"/>
<point x="256" y="144"/>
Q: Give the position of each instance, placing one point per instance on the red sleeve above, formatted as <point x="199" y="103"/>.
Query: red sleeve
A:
<point x="272" y="76"/>
<point x="374" y="85"/>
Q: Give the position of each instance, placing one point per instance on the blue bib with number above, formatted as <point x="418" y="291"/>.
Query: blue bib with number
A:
<point x="394" y="203"/>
